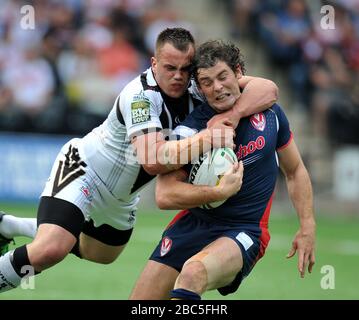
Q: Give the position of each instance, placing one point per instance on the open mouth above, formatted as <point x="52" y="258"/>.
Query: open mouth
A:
<point x="223" y="96"/>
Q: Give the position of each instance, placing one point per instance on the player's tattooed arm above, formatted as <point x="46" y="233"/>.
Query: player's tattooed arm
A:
<point x="159" y="156"/>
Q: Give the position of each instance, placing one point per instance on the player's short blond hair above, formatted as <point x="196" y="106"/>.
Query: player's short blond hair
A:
<point x="180" y="38"/>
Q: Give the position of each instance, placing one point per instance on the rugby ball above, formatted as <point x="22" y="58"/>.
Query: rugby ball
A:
<point x="209" y="169"/>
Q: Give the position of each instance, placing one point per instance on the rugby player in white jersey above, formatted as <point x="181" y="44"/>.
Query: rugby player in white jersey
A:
<point x="88" y="206"/>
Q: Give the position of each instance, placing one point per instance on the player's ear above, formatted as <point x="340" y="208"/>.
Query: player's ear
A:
<point x="238" y="72"/>
<point x="154" y="64"/>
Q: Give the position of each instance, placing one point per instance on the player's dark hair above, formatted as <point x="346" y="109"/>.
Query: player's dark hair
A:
<point x="180" y="38"/>
<point x="209" y="53"/>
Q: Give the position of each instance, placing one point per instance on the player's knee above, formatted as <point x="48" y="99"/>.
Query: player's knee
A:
<point x="194" y="276"/>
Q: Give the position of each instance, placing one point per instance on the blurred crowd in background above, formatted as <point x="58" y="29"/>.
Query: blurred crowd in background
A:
<point x="321" y="64"/>
<point x="63" y="76"/>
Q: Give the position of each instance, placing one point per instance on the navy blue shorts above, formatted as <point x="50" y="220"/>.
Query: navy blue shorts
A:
<point x="188" y="234"/>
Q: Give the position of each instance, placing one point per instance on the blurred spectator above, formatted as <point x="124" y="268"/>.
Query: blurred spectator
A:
<point x="332" y="81"/>
<point x="9" y="120"/>
<point x="31" y="84"/>
<point x="119" y="57"/>
<point x="84" y="86"/>
<point x="95" y="70"/>
<point x="123" y="19"/>
<point x="343" y="117"/>
<point x="160" y="18"/>
<point x="350" y="44"/>
<point x="283" y="33"/>
<point x="96" y="31"/>
<point x="293" y="27"/>
<point x="242" y="15"/>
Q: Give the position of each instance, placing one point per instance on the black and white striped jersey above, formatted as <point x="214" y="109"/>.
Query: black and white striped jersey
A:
<point x="140" y="107"/>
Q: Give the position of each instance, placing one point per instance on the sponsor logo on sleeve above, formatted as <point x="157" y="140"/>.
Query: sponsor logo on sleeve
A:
<point x="140" y="109"/>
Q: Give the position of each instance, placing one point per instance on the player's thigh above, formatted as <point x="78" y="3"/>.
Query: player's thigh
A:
<point x="102" y="244"/>
<point x="222" y="259"/>
<point x="155" y="282"/>
<point x="94" y="250"/>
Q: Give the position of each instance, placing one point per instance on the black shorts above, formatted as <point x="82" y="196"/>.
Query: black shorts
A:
<point x="68" y="216"/>
<point x="188" y="234"/>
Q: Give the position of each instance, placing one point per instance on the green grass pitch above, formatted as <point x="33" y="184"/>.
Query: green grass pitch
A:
<point x="274" y="277"/>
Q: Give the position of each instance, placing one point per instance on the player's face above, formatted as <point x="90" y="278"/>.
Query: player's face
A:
<point x="220" y="86"/>
<point x="171" y="69"/>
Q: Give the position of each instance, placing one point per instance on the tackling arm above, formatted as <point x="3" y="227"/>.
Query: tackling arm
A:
<point x="258" y="95"/>
<point x="301" y="194"/>
<point x="172" y="192"/>
<point x="158" y="156"/>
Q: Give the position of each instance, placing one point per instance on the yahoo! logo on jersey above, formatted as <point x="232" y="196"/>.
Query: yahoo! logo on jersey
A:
<point x="252" y="146"/>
